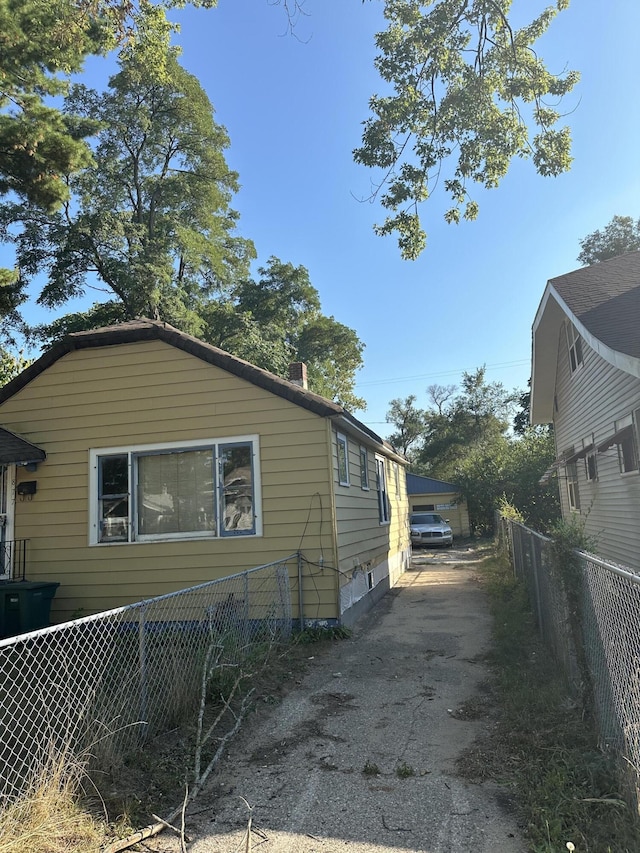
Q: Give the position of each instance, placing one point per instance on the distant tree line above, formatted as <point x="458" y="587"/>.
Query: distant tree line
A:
<point x="478" y="437"/>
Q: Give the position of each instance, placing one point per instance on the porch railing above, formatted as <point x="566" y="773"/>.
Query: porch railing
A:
<point x="13" y="559"/>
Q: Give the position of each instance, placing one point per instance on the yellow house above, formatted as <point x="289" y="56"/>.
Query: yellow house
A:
<point x="136" y="460"/>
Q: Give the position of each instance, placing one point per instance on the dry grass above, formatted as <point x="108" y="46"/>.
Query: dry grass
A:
<point x="540" y="746"/>
<point x="47" y="818"/>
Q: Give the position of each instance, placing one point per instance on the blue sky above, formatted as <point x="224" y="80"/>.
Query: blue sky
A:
<point x="294" y="106"/>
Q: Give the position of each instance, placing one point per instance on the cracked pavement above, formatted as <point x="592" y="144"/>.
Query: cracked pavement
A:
<point x="361" y="754"/>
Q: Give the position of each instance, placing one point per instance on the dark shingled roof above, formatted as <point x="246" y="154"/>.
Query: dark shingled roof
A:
<point x="605" y="298"/>
<point x="144" y="329"/>
<point x="417" y="485"/>
<point x="14" y="449"/>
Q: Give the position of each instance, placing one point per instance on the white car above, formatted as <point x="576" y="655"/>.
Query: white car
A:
<point x="429" y="528"/>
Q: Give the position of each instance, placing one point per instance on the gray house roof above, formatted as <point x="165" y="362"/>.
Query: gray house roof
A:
<point x="144" y="329"/>
<point x="417" y="485"/>
<point x="14" y="449"/>
<point x="603" y="303"/>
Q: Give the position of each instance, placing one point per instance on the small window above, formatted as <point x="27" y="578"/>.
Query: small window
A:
<point x="572" y="486"/>
<point x="364" y="468"/>
<point x="383" y="496"/>
<point x="343" y="459"/>
<point x="423" y="508"/>
<point x="574" y="342"/>
<point x="591" y="466"/>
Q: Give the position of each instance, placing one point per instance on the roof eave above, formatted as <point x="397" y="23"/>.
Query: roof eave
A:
<point x="153" y="330"/>
<point x="552" y="312"/>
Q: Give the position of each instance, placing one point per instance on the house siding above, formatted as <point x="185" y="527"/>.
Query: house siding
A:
<point x="588" y="402"/>
<point x="145" y="393"/>
<point x="371" y="554"/>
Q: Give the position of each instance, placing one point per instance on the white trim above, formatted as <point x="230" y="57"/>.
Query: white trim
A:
<point x="9" y="521"/>
<point x="365" y="486"/>
<point x="628" y="363"/>
<point x="384" y="511"/>
<point x="551" y="313"/>
<point x="342" y="440"/>
<point x="137" y="449"/>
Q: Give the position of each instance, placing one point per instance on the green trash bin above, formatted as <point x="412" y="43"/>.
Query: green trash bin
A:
<point x="25" y="606"/>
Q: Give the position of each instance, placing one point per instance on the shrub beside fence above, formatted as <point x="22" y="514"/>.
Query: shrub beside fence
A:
<point x="106" y="683"/>
<point x="604" y="633"/>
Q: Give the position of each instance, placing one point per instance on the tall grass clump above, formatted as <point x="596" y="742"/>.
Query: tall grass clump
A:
<point x="47" y="817"/>
<point x="544" y="745"/>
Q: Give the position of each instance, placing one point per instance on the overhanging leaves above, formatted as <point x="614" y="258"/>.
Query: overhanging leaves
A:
<point x="466" y="87"/>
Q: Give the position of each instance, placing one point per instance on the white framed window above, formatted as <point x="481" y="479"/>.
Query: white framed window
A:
<point x="574" y="342"/>
<point x="573" y="492"/>
<point x="364" y="468"/>
<point x="591" y="466"/>
<point x="383" y="496"/>
<point x="182" y="490"/>
<point x="343" y="458"/>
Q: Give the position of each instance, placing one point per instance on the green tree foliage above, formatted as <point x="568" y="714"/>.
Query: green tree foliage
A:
<point x="11" y="296"/>
<point x="271" y="322"/>
<point x="530" y="457"/>
<point x="465" y="89"/>
<point x="409" y="423"/>
<point x="277" y="319"/>
<point x="150" y="222"/>
<point x="466" y="439"/>
<point x="11" y="365"/>
<point x="40" y="45"/>
<point x="621" y="235"/>
<point x="478" y="414"/>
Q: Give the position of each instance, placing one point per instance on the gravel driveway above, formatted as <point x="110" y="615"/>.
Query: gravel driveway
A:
<point x="361" y="755"/>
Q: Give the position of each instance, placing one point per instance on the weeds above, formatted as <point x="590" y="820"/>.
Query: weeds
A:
<point x="319" y="634"/>
<point x="370" y="769"/>
<point x="543" y="745"/>
<point x="47" y="818"/>
<point x="405" y="771"/>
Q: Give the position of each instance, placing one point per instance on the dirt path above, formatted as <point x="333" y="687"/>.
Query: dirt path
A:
<point x="361" y="755"/>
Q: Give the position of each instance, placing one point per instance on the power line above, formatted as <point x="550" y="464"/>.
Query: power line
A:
<point x="458" y="372"/>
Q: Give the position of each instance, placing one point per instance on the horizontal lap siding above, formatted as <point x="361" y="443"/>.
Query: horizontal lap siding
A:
<point x="589" y="401"/>
<point x="149" y="393"/>
<point x="361" y="536"/>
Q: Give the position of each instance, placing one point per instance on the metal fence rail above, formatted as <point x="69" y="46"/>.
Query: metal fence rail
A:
<point x="609" y="634"/>
<point x="105" y="683"/>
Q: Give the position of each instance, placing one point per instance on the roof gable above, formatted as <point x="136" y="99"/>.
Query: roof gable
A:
<point x="602" y="301"/>
<point x="144" y="329"/>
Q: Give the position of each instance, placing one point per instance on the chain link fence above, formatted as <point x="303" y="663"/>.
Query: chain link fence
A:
<point x="606" y="634"/>
<point x="104" y="684"/>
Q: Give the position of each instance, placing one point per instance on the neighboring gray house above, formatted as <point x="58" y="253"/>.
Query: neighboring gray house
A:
<point x="586" y="380"/>
<point x="429" y="495"/>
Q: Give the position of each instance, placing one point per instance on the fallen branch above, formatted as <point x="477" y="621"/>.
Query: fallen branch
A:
<point x="155" y="828"/>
